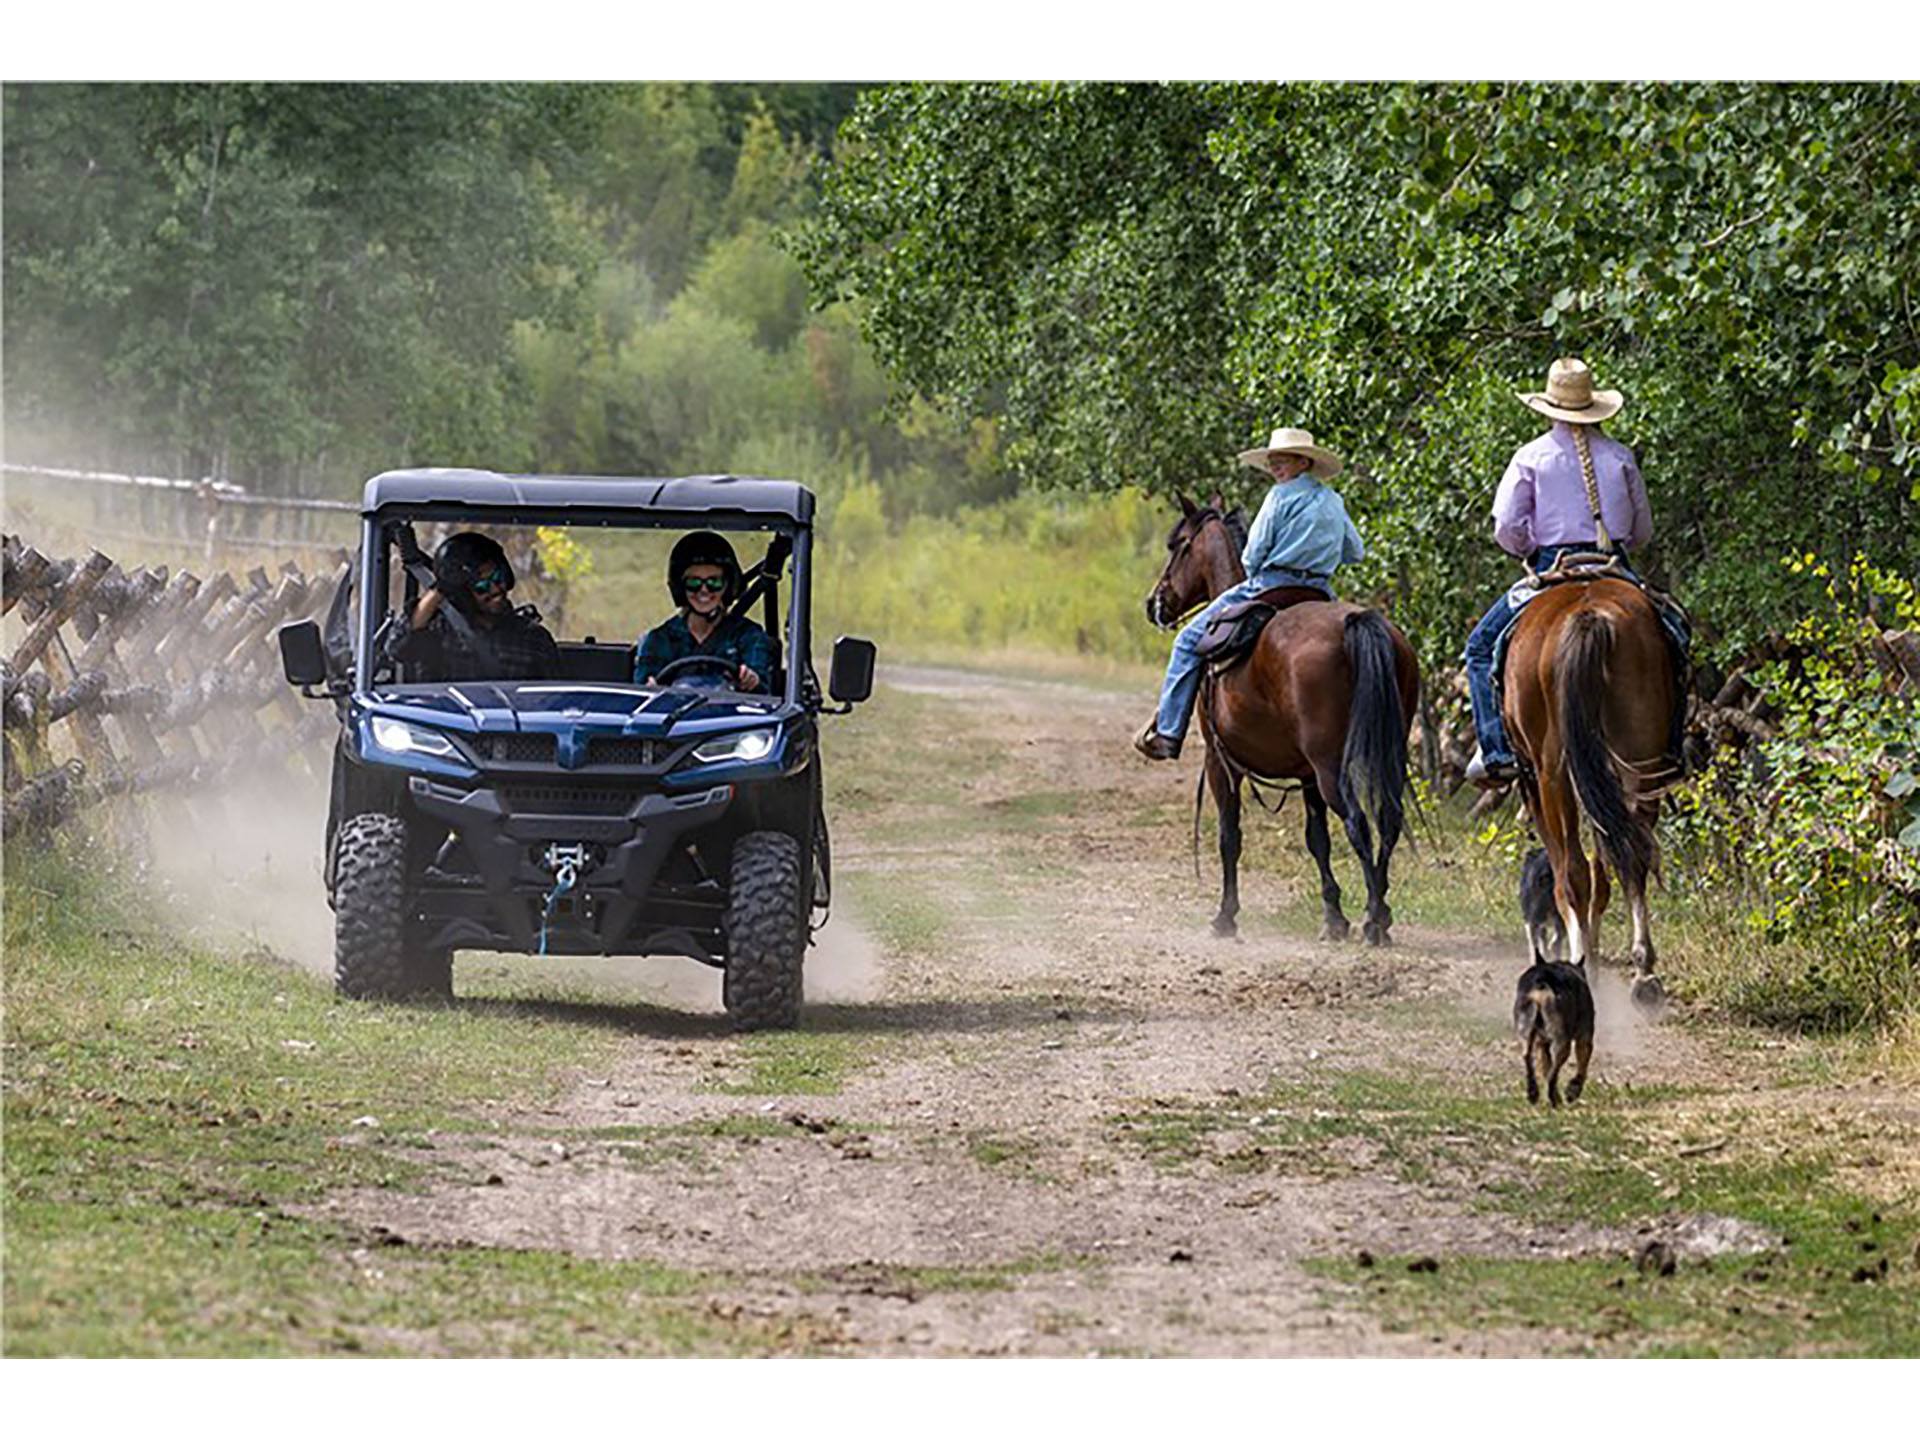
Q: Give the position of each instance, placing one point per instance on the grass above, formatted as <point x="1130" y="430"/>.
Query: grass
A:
<point x="1621" y="1161"/>
<point x="151" y="1280"/>
<point x="163" y="1103"/>
<point x="797" y="1062"/>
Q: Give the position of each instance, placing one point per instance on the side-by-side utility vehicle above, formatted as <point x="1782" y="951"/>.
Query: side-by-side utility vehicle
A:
<point x="586" y="812"/>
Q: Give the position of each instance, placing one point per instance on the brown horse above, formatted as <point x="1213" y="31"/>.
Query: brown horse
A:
<point x="1590" y="690"/>
<point x="1326" y="698"/>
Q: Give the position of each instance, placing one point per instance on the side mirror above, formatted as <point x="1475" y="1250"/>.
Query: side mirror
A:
<point x="302" y="655"/>
<point x="851" y="679"/>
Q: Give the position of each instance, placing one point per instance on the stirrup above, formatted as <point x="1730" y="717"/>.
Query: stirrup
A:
<point x="1155" y="746"/>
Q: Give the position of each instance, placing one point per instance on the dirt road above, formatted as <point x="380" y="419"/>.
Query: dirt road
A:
<point x="1037" y="1108"/>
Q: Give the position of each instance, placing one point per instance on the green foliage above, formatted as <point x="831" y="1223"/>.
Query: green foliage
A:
<point x="1033" y="572"/>
<point x="276" y="280"/>
<point x="1820" y="826"/>
<point x="1135" y="280"/>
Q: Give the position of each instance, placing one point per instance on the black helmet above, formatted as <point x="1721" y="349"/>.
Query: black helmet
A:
<point x="460" y="558"/>
<point x="702" y="547"/>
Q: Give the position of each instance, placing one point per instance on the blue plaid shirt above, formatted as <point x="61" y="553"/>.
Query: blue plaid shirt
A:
<point x="737" y="639"/>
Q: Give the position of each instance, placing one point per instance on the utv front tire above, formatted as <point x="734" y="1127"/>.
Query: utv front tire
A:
<point x="372" y="956"/>
<point x="766" y="932"/>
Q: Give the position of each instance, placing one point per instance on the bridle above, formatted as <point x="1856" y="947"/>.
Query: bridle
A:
<point x="1195" y="524"/>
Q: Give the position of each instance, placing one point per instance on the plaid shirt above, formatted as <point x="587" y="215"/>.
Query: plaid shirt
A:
<point x="737" y="639"/>
<point x="523" y="649"/>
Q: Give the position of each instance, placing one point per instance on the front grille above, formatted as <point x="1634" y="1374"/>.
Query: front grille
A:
<point x="517" y="749"/>
<point x="567" y="799"/>
<point x="621" y="750"/>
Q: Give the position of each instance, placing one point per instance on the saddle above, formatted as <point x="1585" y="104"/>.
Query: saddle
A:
<point x="1573" y="566"/>
<point x="1675" y="623"/>
<point x="1231" y="635"/>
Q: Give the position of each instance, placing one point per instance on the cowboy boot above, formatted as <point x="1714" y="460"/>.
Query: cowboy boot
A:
<point x="1155" y="746"/>
<point x="1490" y="776"/>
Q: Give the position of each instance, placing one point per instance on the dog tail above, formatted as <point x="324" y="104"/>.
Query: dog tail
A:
<point x="1586" y="650"/>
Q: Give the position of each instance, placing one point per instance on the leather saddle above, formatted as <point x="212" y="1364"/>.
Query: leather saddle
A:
<point x="1231" y="635"/>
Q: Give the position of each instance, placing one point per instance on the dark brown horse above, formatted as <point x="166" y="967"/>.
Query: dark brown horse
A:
<point x="1590" y="690"/>
<point x="1326" y="698"/>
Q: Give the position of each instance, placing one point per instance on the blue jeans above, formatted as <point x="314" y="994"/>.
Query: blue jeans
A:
<point x="1481" y="645"/>
<point x="1183" y="668"/>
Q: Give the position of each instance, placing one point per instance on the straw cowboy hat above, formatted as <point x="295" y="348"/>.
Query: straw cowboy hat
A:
<point x="1323" y="463"/>
<point x="1570" y="396"/>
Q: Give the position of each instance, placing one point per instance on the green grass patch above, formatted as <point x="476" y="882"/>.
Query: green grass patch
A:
<point x="146" y="1280"/>
<point x="1731" y="1306"/>
<point x="905" y="919"/>
<point x="1627" y="1160"/>
<point x="163" y="1102"/>
<point x="797" y="1062"/>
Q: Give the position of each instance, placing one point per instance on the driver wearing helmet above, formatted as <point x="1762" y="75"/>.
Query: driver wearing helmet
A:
<point x="703" y="577"/>
<point x="463" y="627"/>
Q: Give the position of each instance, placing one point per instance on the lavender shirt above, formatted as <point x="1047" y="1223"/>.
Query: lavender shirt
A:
<point x="1542" y="499"/>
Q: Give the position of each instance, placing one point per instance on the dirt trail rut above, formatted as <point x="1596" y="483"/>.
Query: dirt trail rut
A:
<point x="983" y="1140"/>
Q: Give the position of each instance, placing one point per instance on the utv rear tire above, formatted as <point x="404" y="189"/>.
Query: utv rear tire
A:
<point x="766" y="932"/>
<point x="373" y="958"/>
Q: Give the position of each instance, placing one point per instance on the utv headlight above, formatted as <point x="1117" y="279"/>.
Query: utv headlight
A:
<point x="404" y="739"/>
<point x="747" y="745"/>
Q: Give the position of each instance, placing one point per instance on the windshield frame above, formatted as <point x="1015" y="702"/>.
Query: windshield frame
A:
<point x="377" y="555"/>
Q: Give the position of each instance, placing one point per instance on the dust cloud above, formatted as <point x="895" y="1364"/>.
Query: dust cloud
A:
<point x="242" y="866"/>
<point x="1619" y="1026"/>
<point x="243" y="869"/>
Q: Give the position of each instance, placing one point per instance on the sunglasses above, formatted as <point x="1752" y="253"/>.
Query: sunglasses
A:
<point x="493" y="580"/>
<point x="711" y="583"/>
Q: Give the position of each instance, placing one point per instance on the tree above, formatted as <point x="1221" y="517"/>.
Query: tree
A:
<point x="1138" y="280"/>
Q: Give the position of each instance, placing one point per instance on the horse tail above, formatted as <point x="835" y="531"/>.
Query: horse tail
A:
<point x="1373" y="765"/>
<point x="1580" y="665"/>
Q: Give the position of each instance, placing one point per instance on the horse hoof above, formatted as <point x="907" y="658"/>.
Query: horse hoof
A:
<point x="1335" y="932"/>
<point x="1377" y="935"/>
<point x="1226" y="929"/>
<point x="1649" y="995"/>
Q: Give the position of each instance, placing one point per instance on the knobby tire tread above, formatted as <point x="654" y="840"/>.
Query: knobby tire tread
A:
<point x="372" y="959"/>
<point x="766" y="932"/>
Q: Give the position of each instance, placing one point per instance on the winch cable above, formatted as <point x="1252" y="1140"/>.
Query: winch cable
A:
<point x="563" y="880"/>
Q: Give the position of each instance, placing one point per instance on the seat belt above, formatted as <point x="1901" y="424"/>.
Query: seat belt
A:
<point x="421" y="569"/>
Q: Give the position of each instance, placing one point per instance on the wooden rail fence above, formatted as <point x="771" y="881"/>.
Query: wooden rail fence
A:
<point x="126" y="682"/>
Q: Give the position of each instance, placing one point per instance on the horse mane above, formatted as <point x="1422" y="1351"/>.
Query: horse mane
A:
<point x="1236" y="522"/>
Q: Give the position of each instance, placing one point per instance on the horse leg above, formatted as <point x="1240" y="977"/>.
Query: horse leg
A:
<point x="1226" y="799"/>
<point x="1648" y="993"/>
<point x="1379" y="918"/>
<point x="1601" y="892"/>
<point x="1572" y="880"/>
<point x="1333" y="923"/>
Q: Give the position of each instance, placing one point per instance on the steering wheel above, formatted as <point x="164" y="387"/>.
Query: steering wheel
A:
<point x="729" y="670"/>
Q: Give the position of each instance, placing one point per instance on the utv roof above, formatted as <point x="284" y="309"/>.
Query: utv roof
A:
<point x="711" y="495"/>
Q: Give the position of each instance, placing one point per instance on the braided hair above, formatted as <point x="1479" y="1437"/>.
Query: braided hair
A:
<point x="1600" y="536"/>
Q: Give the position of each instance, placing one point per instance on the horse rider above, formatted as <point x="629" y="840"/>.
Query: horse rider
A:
<point x="1571" y="489"/>
<point x="703" y="577"/>
<point x="1300" y="537"/>
<point x="463" y="627"/>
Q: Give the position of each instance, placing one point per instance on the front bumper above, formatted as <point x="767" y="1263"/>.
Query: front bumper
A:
<point x="608" y="912"/>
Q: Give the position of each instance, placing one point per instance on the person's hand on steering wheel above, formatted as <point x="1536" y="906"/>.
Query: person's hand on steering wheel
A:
<point x="717" y="663"/>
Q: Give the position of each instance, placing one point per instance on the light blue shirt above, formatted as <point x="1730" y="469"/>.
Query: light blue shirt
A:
<point x="1302" y="530"/>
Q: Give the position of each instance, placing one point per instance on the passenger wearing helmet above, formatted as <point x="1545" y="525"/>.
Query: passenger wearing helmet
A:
<point x="703" y="577"/>
<point x="463" y="627"/>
